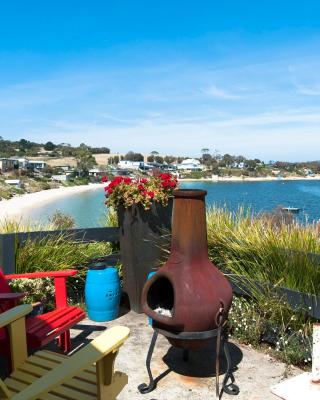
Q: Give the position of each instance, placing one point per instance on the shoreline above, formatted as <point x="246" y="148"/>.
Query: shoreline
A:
<point x="249" y="179"/>
<point x="17" y="206"/>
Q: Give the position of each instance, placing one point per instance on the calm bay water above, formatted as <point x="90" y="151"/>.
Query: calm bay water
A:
<point x="88" y="208"/>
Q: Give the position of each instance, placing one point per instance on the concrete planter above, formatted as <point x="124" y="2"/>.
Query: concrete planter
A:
<point x="143" y="233"/>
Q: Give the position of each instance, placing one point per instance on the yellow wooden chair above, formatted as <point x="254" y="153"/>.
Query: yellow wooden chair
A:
<point x="51" y="376"/>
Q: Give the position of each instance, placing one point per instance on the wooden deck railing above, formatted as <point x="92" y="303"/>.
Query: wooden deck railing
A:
<point x="10" y="242"/>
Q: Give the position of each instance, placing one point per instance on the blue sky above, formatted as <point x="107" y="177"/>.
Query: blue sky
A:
<point x="172" y="76"/>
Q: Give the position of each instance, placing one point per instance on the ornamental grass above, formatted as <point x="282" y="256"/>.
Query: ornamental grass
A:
<point x="50" y="254"/>
<point x="278" y="253"/>
<point x="281" y="254"/>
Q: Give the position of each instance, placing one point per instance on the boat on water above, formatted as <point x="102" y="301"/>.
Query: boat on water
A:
<point x="293" y="210"/>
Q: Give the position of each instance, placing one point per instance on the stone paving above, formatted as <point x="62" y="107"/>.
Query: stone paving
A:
<point x="194" y="380"/>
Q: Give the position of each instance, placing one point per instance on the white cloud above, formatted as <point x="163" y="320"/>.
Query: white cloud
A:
<point x="214" y="91"/>
<point x="290" y="136"/>
<point x="309" y="90"/>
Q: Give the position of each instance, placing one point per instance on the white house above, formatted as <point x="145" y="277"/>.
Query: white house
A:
<point x="190" y="164"/>
<point x="96" y="172"/>
<point x="125" y="164"/>
<point x="22" y="163"/>
<point x="13" y="182"/>
<point x="6" y="164"/>
<point x="35" y="164"/>
<point x="61" y="178"/>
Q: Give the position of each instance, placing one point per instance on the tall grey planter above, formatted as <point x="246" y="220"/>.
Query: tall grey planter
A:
<point x="143" y="236"/>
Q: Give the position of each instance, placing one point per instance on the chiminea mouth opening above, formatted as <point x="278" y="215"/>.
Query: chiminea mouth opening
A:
<point x="160" y="297"/>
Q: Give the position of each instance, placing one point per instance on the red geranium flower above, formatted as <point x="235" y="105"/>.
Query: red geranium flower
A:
<point x="127" y="180"/>
<point x="165" y="176"/>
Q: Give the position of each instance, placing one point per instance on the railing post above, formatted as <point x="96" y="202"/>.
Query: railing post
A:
<point x="8" y="253"/>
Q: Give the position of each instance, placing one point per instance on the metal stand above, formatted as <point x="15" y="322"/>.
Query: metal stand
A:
<point x="144" y="388"/>
<point x="230" y="388"/>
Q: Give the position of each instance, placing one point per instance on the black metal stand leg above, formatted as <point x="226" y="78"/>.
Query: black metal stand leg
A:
<point x="230" y="388"/>
<point x="185" y="355"/>
<point x="144" y="388"/>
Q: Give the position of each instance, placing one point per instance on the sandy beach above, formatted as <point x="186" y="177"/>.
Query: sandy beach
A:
<point x="17" y="206"/>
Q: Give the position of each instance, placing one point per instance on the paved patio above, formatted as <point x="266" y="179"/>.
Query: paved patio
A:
<point x="255" y="371"/>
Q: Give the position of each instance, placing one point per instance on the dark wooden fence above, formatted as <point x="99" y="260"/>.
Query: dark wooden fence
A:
<point x="10" y="242"/>
<point x="305" y="302"/>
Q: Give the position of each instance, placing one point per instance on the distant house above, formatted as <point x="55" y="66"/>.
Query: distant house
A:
<point x="21" y="163"/>
<point x="96" y="172"/>
<point x="14" y="182"/>
<point x="6" y="164"/>
<point x="190" y="164"/>
<point x="61" y="178"/>
<point x="132" y="165"/>
<point x="35" y="164"/>
<point x="64" y="167"/>
<point x="239" y="165"/>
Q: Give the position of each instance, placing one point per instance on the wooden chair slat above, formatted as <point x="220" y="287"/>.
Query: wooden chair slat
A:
<point x="14" y="385"/>
<point x="89" y="377"/>
<point x="50" y="396"/>
<point x="42" y="362"/>
<point x="52" y="356"/>
<point x="74" y="384"/>
<point x="74" y="394"/>
<point x="48" y="376"/>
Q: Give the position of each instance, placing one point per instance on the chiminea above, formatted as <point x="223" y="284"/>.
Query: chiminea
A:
<point x="188" y="298"/>
<point x="192" y="294"/>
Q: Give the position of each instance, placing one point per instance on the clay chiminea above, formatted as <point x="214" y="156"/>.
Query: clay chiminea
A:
<point x="189" y="291"/>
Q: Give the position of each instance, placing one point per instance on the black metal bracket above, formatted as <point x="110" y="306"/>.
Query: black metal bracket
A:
<point x="144" y="388"/>
<point x="230" y="388"/>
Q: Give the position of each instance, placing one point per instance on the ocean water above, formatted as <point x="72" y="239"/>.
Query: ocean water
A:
<point x="88" y="208"/>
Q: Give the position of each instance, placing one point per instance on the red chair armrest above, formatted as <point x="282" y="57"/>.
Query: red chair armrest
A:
<point x="59" y="282"/>
<point x="46" y="274"/>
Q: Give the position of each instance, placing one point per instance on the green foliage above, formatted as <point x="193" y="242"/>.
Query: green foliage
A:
<point x="111" y="218"/>
<point x="56" y="253"/>
<point x="131" y="156"/>
<point x="49" y="146"/>
<point x="62" y="221"/>
<point x="85" y="159"/>
<point x="5" y="193"/>
<point x="270" y="323"/>
<point x="36" y="290"/>
<point x="261" y="250"/>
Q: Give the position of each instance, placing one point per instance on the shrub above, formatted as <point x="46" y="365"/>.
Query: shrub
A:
<point x="56" y="253"/>
<point x="269" y="250"/>
<point x="273" y="325"/>
<point x="62" y="221"/>
<point x="36" y="290"/>
<point x="262" y="251"/>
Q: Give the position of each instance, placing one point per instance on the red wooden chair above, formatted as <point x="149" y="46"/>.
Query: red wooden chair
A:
<point x="42" y="329"/>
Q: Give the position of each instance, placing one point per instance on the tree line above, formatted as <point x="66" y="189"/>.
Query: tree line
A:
<point x="27" y="148"/>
